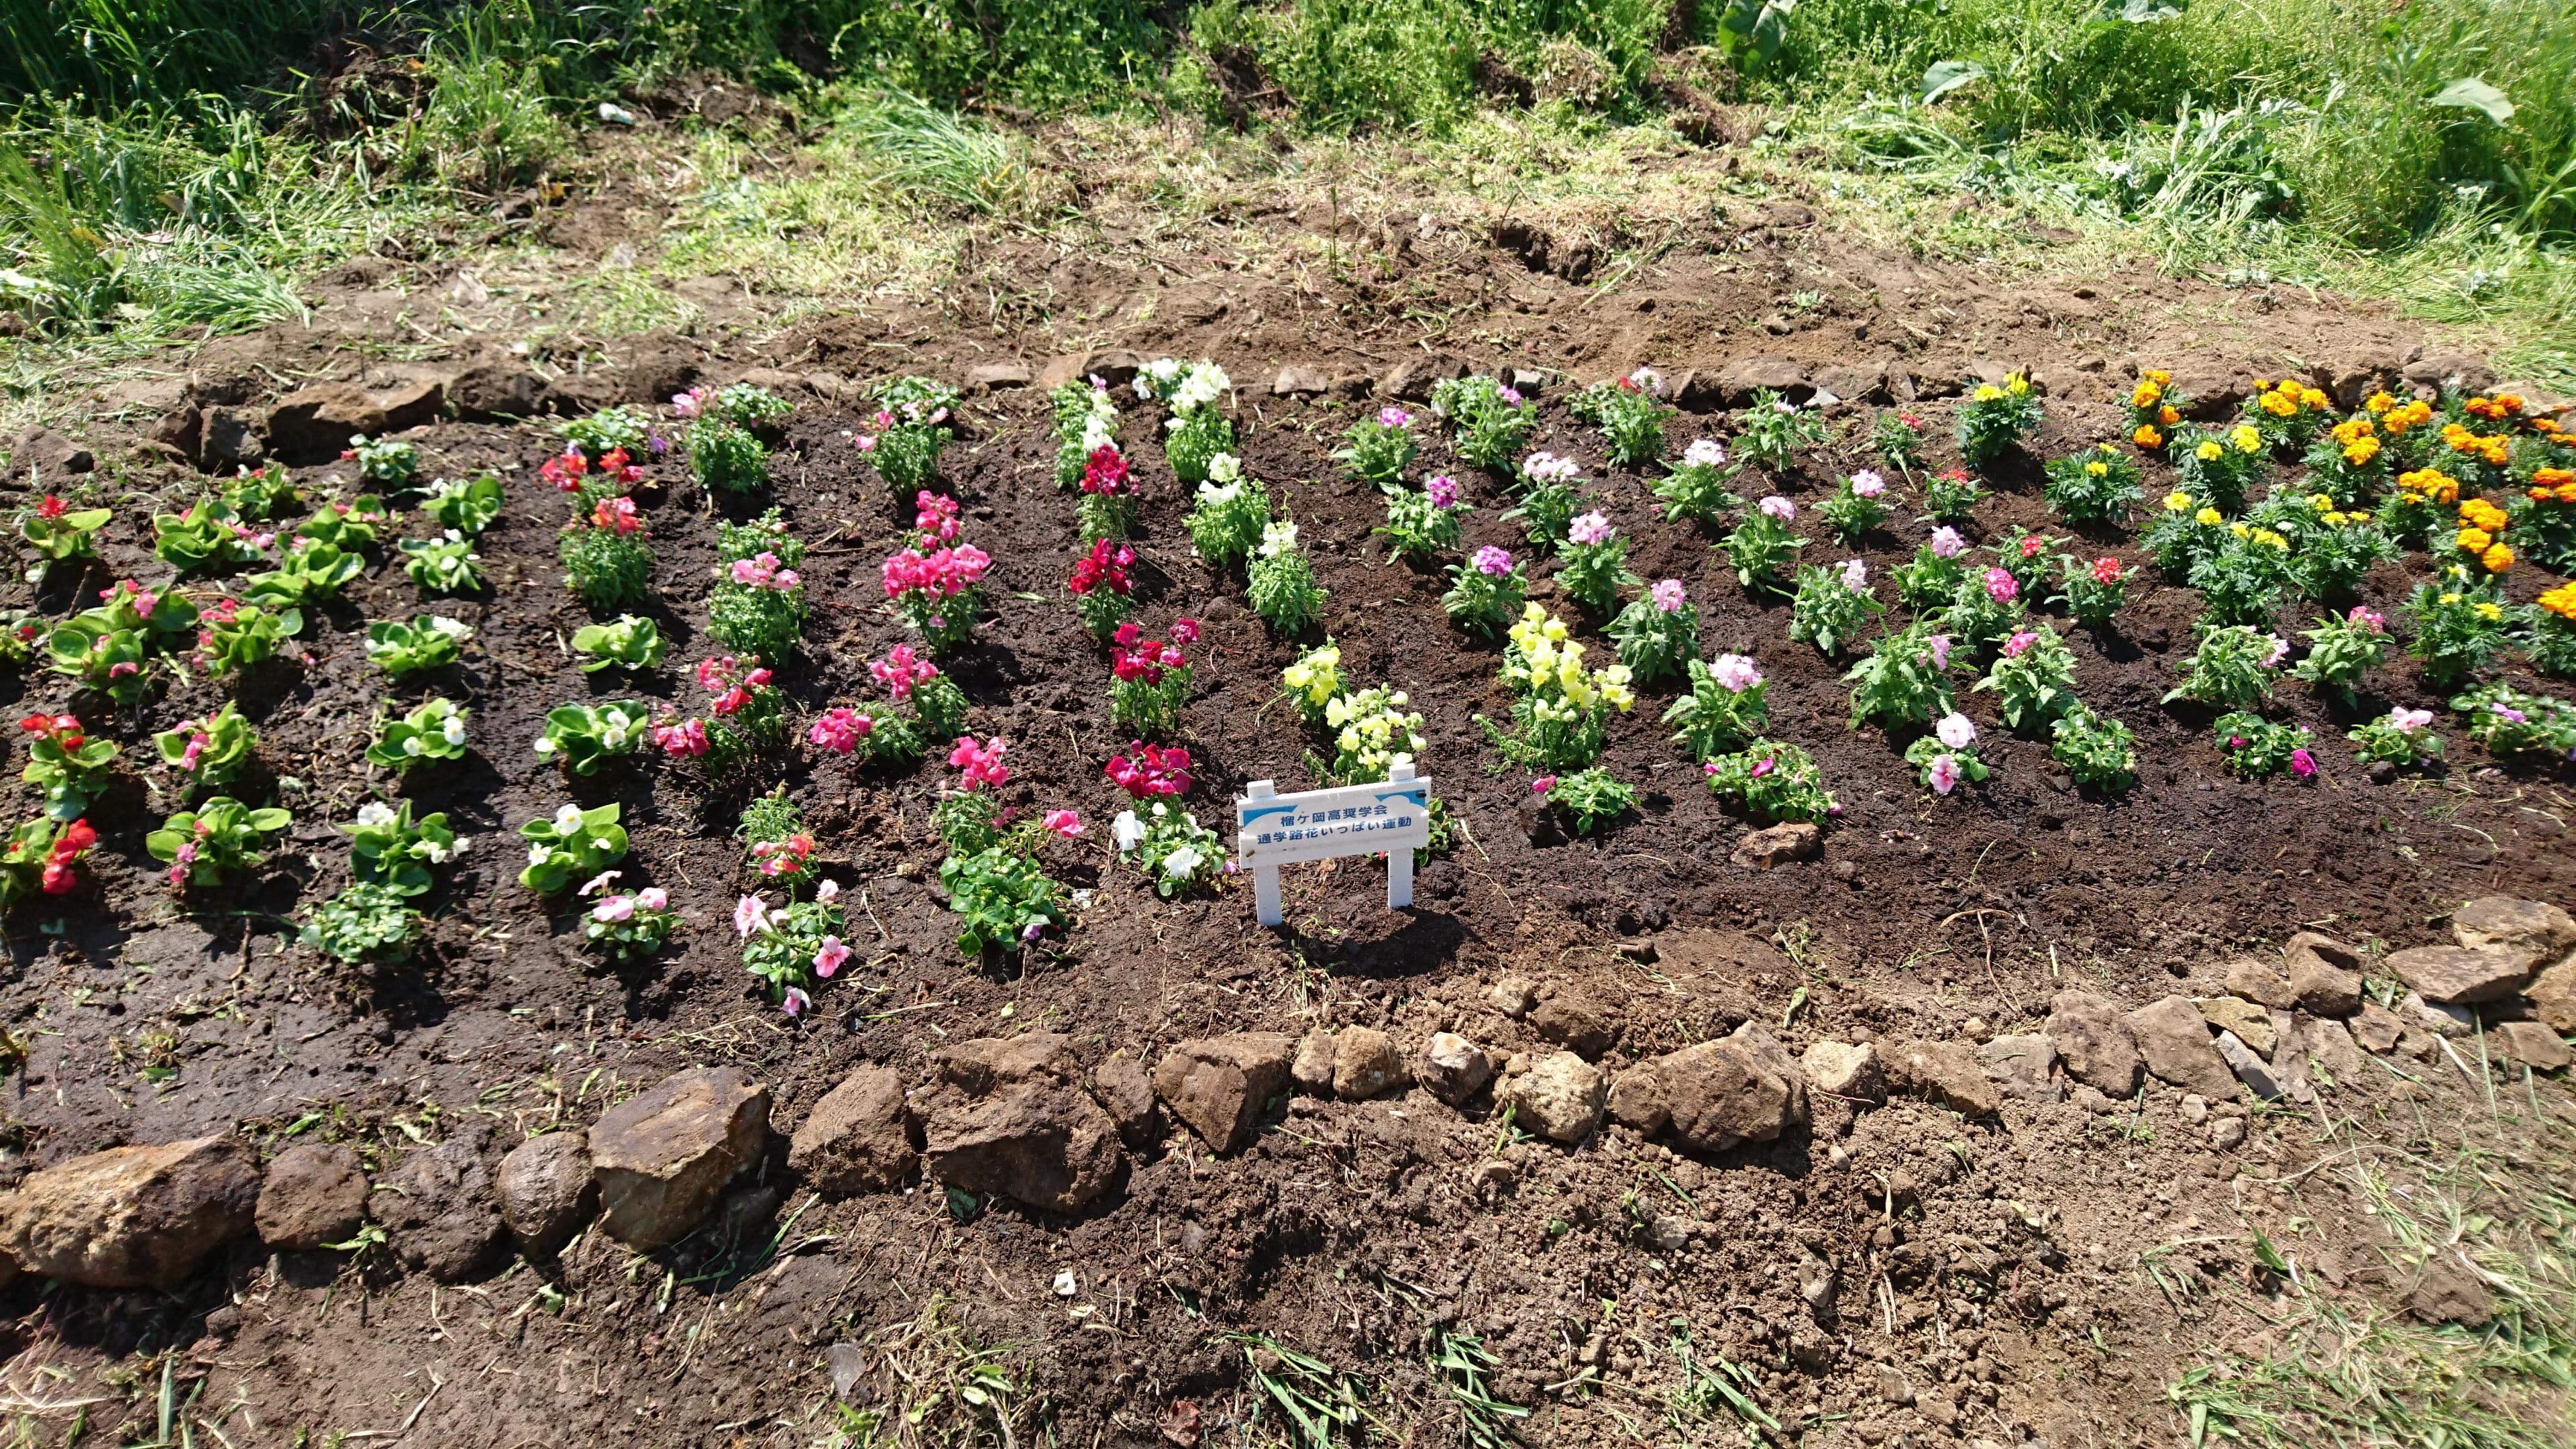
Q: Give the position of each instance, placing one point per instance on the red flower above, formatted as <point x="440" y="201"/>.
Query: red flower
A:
<point x="1105" y="471"/>
<point x="1103" y="567"/>
<point x="68" y="848"/>
<point x="2030" y="547"/>
<point x="2106" y="570"/>
<point x="1151" y="770"/>
<point x="52" y="507"/>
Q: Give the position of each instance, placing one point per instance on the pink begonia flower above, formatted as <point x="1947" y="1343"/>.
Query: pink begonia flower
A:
<point x="1946" y="542"/>
<point x="1542" y="784"/>
<point x="1867" y="484"/>
<point x="829" y="955"/>
<point x="1778" y="507"/>
<point x="2409" y="720"/>
<point x="599" y="882"/>
<point x="2302" y="764"/>
<point x="1492" y="562"/>
<point x="1956" y="730"/>
<point x="749" y="915"/>
<point x="1855" y="575"/>
<point x="1590" y="528"/>
<point x="1767" y="765"/>
<point x="1066" y="823"/>
<point x="615" y="908"/>
<point x="2278" y="650"/>
<point x="1939" y="644"/>
<point x="1944" y="773"/>
<point x="652" y="898"/>
<point x="1734" y="673"/>
<point x="2001" y="586"/>
<point x="1668" y="596"/>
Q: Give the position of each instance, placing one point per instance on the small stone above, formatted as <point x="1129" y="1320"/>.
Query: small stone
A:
<point x="2249" y="1068"/>
<point x="2489" y="922"/>
<point x="1778" y="845"/>
<point x="1452" y="1068"/>
<point x="132" y="1217"/>
<point x="1561" y="1097"/>
<point x="663" y="1156"/>
<point x="2195" y="1108"/>
<point x="313" y="1196"/>
<point x="1124" y="1091"/>
<point x="1296" y="380"/>
<point x="2227" y="1133"/>
<point x="2092" y="1101"/>
<point x="848" y="1364"/>
<point x="2261" y="982"/>
<point x="2532" y="1044"/>
<point x="858" y="1138"/>
<point x="1576" y="1022"/>
<point x="1219" y="1086"/>
<point x="1510" y="995"/>
<point x="1947" y="1072"/>
<point x="2377" y="1028"/>
<point x="2022" y="1066"/>
<point x="2324" y="973"/>
<point x="2437" y="1019"/>
<point x="1312" y="1068"/>
<point x="997" y="376"/>
<point x="1841" y="1069"/>
<point x="439" y="1211"/>
<point x="1365" y="1064"/>
<point x="2173" y="1040"/>
<point x="547" y="1191"/>
<point x="2328" y="1045"/>
<point x="2251" y="1023"/>
<point x="2094" y="1043"/>
<point x="2463" y="974"/>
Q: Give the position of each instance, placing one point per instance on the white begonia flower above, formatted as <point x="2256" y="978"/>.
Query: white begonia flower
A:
<point x="453" y="729"/>
<point x="544" y="747"/>
<point x="375" y="812"/>
<point x="437" y="854"/>
<point x="449" y="627"/>
<point x="568" y="819"/>
<point x="1181" y="862"/>
<point x="537" y="854"/>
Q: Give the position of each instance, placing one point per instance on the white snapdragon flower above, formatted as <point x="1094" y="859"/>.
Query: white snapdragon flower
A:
<point x="1278" y="538"/>
<point x="1127" y="831"/>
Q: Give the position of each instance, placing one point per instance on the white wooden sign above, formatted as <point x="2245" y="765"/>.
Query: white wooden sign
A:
<point x="1272" y="830"/>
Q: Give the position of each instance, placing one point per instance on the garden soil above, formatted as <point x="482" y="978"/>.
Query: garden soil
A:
<point x="1894" y="1273"/>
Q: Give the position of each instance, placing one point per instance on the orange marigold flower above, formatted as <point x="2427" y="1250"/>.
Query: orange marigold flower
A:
<point x="2497" y="559"/>
<point x="2168" y="416"/>
<point x="2147" y="437"/>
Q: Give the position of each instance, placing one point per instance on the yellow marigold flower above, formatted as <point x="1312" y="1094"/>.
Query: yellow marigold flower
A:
<point x="2241" y="530"/>
<point x="2208" y="516"/>
<point x="2565" y="492"/>
<point x="2159" y="376"/>
<point x="2552" y="477"/>
<point x="2106" y="450"/>
<point x="2379" y="402"/>
<point x="2360" y="451"/>
<point x="2269" y="539"/>
<point x="2097" y="470"/>
<point x="2321" y="502"/>
<point x="2246" y="439"/>
<point x="2147" y="437"/>
<point x="2145" y="395"/>
<point x="1988" y="392"/>
<point x="2168" y="416"/>
<point x="2483" y="514"/>
<point x="2262" y="384"/>
<point x="2279" y="405"/>
<point x="2351" y="428"/>
<point x="2497" y="559"/>
<point x="2493" y="613"/>
<point x="2312" y="399"/>
<point x="2450" y="599"/>
<point x="2473" y="540"/>
<point x="2177" y="501"/>
<point x="2208" y="450"/>
<point x="2508" y="403"/>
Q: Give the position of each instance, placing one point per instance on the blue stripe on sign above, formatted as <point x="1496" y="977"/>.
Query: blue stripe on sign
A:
<point x="1252" y="813"/>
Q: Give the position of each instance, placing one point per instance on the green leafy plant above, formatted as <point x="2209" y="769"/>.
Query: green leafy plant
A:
<point x="1372" y="729"/>
<point x="1951" y="497"/>
<point x="308" y="572"/>
<point x="1232" y="510"/>
<point x="729" y="458"/>
<point x="2093" y="593"/>
<point x="43" y="857"/>
<point x="2098" y="485"/>
<point x="1194" y="440"/>
<point x="60" y="534"/>
<point x="208" y="752"/>
<point x="350" y="526"/>
<point x="606" y="565"/>
<point x="1595" y="564"/>
<point x="427" y="641"/>
<point x="1545" y="511"/>
<point x="775" y="840"/>
<point x="745" y="405"/>
<point x="64" y="762"/>
<point x="628" y="925"/>
<point x="790" y="950"/>
<point x="235" y="636"/>
<point x="1762" y="545"/>
<point x="1904" y="679"/>
<point x="1935" y="574"/>
<point x="1377" y="450"/>
<point x="1629" y="415"/>
<point x="2220" y="469"/>
<point x="584" y="737"/>
<point x="388" y="848"/>
<point x="2510" y="722"/>
<point x="2399" y="737"/>
<point x="1170" y="846"/>
<point x="758" y="603"/>
<point x="2232" y="667"/>
<point x="1725" y="708"/>
<point x="389" y="462"/>
<point x="1939" y="765"/>
<point x="364" y="923"/>
<point x="625" y="642"/>
<point x="572" y="845"/>
<point x="207" y="538"/>
<point x="1832" y="606"/>
<point x="2342" y="652"/>
<point x="1657" y="633"/>
<point x="2256" y="748"/>
<point x="111" y="662"/>
<point x="447" y="565"/>
<point x="432" y="730"/>
<point x="1001" y="897"/>
<point x="465" y="506"/>
<point x="1419" y="525"/>
<point x="2032" y="678"/>
<point x="2459" y="624"/>
<point x="1771" y="781"/>
<point x="1774" y="431"/>
<point x="1855" y="507"/>
<point x="266" y="492"/>
<point x="1995" y="419"/>
<point x="1588" y="799"/>
<point x="2099" y="751"/>
<point x="217" y="839"/>
<point x="609" y="430"/>
<point x="1695" y="488"/>
<point x="911" y="425"/>
<point x="1281" y="584"/>
<point x="1492" y="422"/>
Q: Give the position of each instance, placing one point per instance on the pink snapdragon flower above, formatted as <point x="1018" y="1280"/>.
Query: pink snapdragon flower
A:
<point x="840" y="729"/>
<point x="1668" y="596"/>
<point x="980" y="763"/>
<point x="1542" y="784"/>
<point x="2368" y="618"/>
<point x="1855" y="575"/>
<point x="2302" y="764"/>
<point x="1939" y="645"/>
<point x="1778" y="507"/>
<point x="686" y="737"/>
<point x="1443" y="491"/>
<point x="2019" y="644"/>
<point x="902" y="671"/>
<point x="934" y="517"/>
<point x="2001" y="586"/>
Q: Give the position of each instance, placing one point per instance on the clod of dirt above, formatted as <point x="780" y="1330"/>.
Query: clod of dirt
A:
<point x="1220" y="1085"/>
<point x="312" y="1197"/>
<point x="439" y="1211"/>
<point x="231" y="441"/>
<point x="1365" y="1064"/>
<point x="1122" y="1089"/>
<point x="2173" y="1039"/>
<point x="2505" y="922"/>
<point x="2463" y="976"/>
<point x="2252" y="1024"/>
<point x="133" y="1217"/>
<point x="1296" y="380"/>
<point x="1747" y="376"/>
<point x="47" y="455"/>
<point x="1012" y="1117"/>
<point x="1511" y="995"/>
<point x="1947" y="1072"/>
<point x="2094" y="1043"/>
<point x="1452" y="1068"/>
<point x="2022" y="1066"/>
<point x="1841" y="1069"/>
<point x="2324" y="974"/>
<point x="1576" y="1022"/>
<point x="497" y="390"/>
<point x="997" y="376"/>
<point x="2227" y="1133"/>
<point x="547" y="1190"/>
<point x="2449" y="1291"/>
<point x="858" y="1138"/>
<point x="2553" y="996"/>
<point x="1778" y="845"/>
<point x="663" y="1156"/>
<point x="1561" y="1096"/>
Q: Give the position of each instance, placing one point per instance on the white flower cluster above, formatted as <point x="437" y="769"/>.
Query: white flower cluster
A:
<point x="1187" y="387"/>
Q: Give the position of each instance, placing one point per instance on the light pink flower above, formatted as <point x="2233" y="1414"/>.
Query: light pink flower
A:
<point x="1939" y="644"/>
<point x="652" y="898"/>
<point x="1734" y="673"/>
<point x="1855" y="575"/>
<point x="1066" y="823"/>
<point x="828" y="892"/>
<point x="1778" y="507"/>
<point x="750" y="914"/>
<point x="615" y="908"/>
<point x="796" y="1002"/>
<point x="2019" y="644"/>
<point x="1946" y="542"/>
<point x="1944" y="773"/>
<point x="829" y="955"/>
<point x="2279" y="650"/>
<point x="1590" y="528"/>
<point x="1394" y="417"/>
<point x="1867" y="484"/>
<point x="1668" y="596"/>
<point x="2001" y="586"/>
<point x="1956" y="730"/>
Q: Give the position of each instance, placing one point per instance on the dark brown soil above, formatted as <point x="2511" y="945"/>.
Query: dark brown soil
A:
<point x="1990" y="1265"/>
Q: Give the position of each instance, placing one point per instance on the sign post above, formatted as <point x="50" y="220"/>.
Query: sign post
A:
<point x="1272" y="830"/>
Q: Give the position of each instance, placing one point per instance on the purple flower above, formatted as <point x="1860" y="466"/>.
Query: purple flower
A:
<point x="1492" y="562"/>
<point x="1940" y="646"/>
<point x="1542" y="784"/>
<point x="1591" y="528"/>
<point x="1509" y="394"/>
<point x="1443" y="491"/>
<point x="1394" y="417"/>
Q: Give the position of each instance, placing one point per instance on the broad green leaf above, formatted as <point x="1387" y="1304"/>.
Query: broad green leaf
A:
<point x="1947" y="76"/>
<point x="2473" y="94"/>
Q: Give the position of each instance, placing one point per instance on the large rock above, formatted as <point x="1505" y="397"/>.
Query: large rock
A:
<point x="1841" y="1069"/>
<point x="2094" y="1043"/>
<point x="2265" y="983"/>
<point x="230" y="441"/>
<point x="439" y="1211"/>
<point x="2553" y="996"/>
<point x="2542" y="931"/>
<point x="1746" y="376"/>
<point x="1011" y="1116"/>
<point x="497" y="391"/>
<point x="1312" y="1068"/>
<point x="1219" y="1086"/>
<point x="1365" y="1064"/>
<point x="313" y="1196"/>
<point x="1716" y="1095"/>
<point x="1575" y="1022"/>
<point x="1452" y="1068"/>
<point x="2173" y="1040"/>
<point x="133" y="1217"/>
<point x="1947" y="1072"/>
<point x="547" y="1190"/>
<point x="412" y="405"/>
<point x="314" y="424"/>
<point x="662" y="1157"/>
<point x="2325" y="974"/>
<point x="2532" y="1044"/>
<point x="2022" y="1066"/>
<point x="2464" y="975"/>
<point x="1299" y="380"/>
<point x="1560" y="1097"/>
<point x="997" y="376"/>
<point x="2329" y="1048"/>
<point x="858" y="1138"/>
